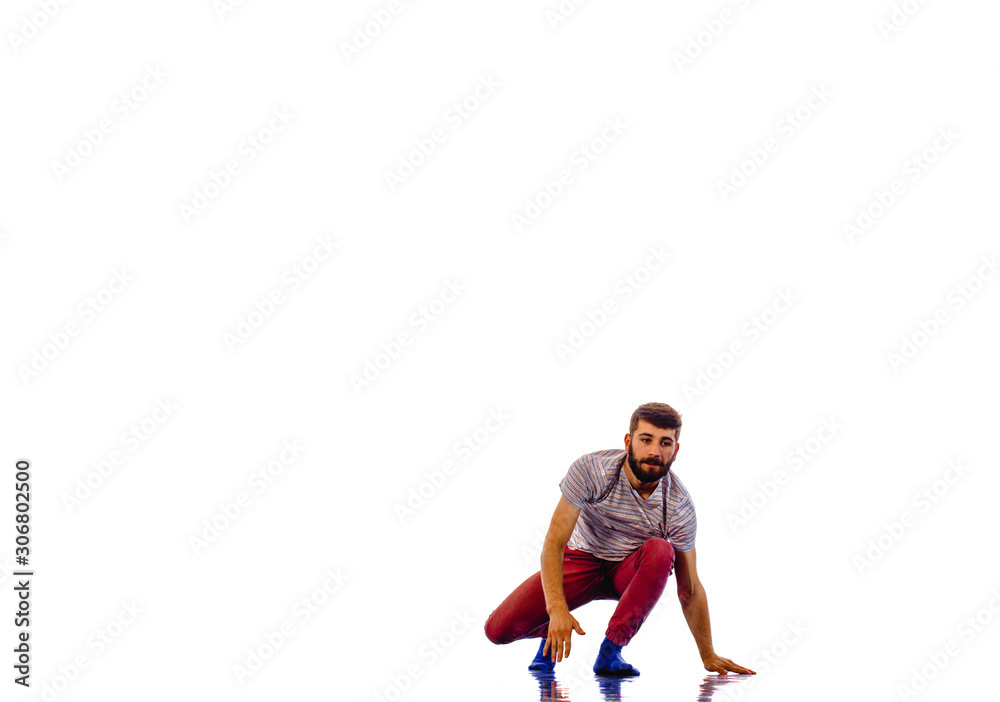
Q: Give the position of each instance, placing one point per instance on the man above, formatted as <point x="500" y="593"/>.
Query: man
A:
<point x="616" y="534"/>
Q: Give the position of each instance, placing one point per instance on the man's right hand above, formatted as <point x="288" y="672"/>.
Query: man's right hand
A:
<point x="561" y="626"/>
<point x="561" y="622"/>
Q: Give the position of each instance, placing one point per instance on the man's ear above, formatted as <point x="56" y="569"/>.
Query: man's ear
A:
<point x="628" y="440"/>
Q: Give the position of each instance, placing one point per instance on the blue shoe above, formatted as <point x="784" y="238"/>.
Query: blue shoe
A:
<point x="609" y="661"/>
<point x="542" y="662"/>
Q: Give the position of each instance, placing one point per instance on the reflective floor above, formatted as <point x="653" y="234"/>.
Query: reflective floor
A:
<point x="551" y="687"/>
<point x="664" y="653"/>
<point x="668" y="672"/>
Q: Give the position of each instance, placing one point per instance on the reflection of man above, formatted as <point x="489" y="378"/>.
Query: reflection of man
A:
<point x="614" y="538"/>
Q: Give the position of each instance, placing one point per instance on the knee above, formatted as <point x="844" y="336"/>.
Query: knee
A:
<point x="661" y="551"/>
<point x="494" y="631"/>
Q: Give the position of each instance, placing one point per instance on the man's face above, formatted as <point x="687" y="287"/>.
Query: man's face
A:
<point x="651" y="451"/>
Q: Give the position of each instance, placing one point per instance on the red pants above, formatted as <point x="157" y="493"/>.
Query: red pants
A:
<point x="635" y="582"/>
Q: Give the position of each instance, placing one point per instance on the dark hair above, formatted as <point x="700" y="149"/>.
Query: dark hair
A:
<point x="657" y="414"/>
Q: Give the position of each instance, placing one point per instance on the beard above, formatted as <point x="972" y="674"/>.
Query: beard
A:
<point x="647" y="472"/>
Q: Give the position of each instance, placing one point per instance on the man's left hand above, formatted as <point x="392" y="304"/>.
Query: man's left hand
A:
<point x="718" y="664"/>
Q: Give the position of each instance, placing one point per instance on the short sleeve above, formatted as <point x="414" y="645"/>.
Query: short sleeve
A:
<point x="684" y="526"/>
<point x="579" y="486"/>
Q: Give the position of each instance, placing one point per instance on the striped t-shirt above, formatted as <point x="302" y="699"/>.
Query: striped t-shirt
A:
<point x="623" y="521"/>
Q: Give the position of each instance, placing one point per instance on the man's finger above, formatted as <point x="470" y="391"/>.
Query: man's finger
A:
<point x="736" y="668"/>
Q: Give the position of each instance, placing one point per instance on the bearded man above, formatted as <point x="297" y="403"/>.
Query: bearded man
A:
<point x="623" y="523"/>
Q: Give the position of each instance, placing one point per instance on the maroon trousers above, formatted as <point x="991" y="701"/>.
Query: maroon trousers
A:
<point x="635" y="582"/>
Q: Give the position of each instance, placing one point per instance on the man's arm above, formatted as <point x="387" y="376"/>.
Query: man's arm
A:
<point x="561" y="622"/>
<point x="694" y="603"/>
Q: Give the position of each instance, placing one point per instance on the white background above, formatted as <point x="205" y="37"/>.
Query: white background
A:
<point x="410" y="577"/>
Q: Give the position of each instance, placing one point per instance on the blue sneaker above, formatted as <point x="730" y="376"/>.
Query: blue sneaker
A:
<point x="542" y="662"/>
<point x="609" y="661"/>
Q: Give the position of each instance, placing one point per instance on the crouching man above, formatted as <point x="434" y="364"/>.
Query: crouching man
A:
<point x="622" y="525"/>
